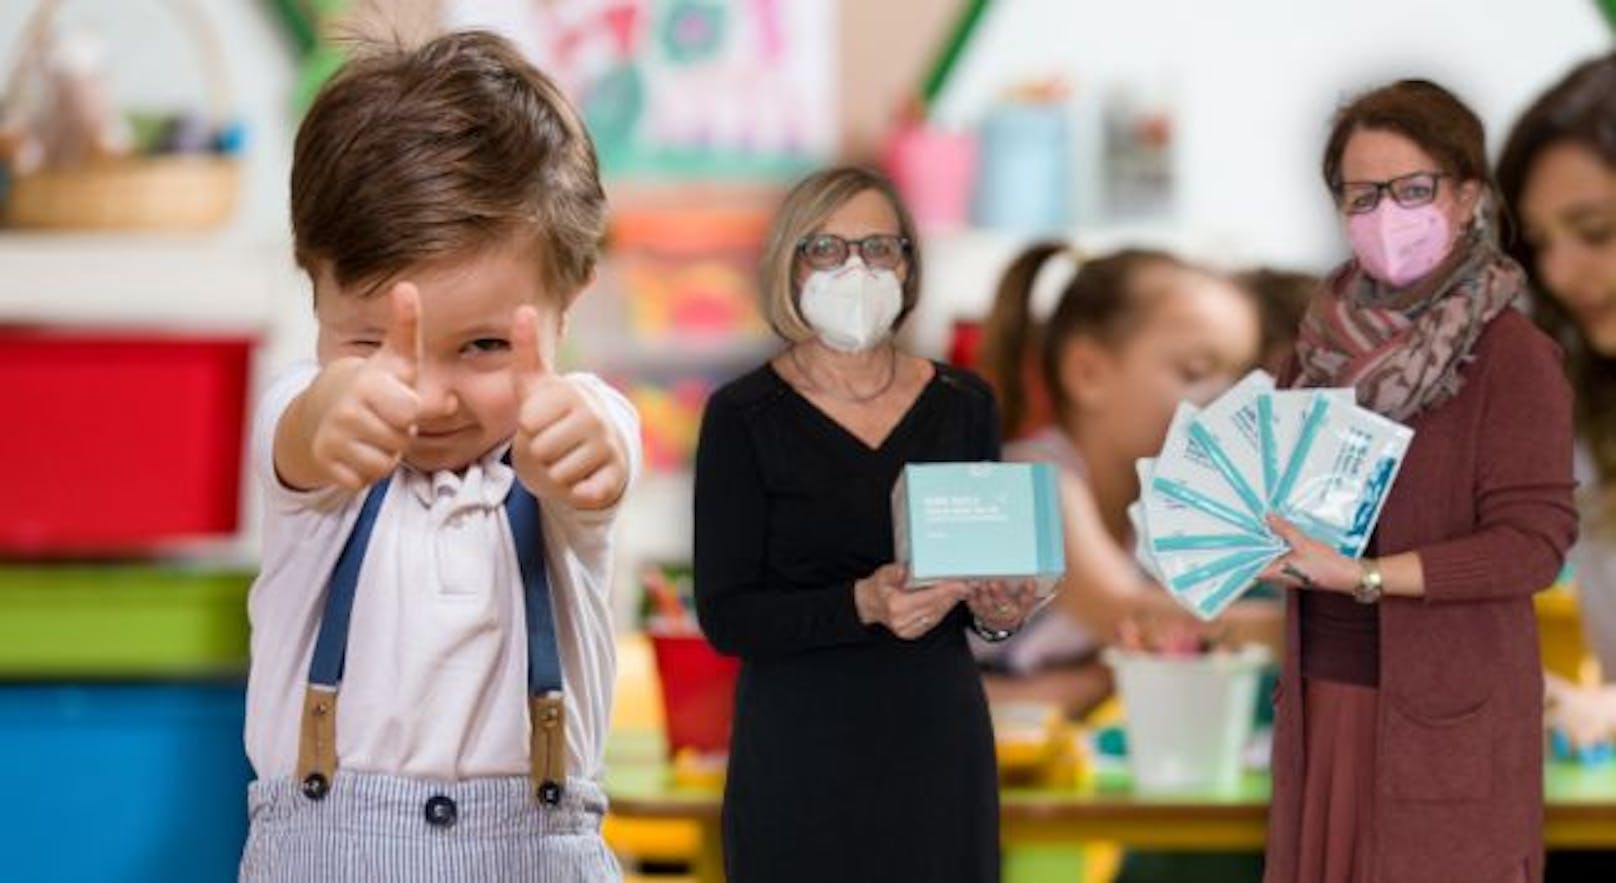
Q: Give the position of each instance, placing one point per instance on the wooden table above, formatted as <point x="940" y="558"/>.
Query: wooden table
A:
<point x="1580" y="810"/>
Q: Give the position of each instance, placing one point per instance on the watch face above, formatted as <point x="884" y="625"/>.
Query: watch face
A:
<point x="1368" y="589"/>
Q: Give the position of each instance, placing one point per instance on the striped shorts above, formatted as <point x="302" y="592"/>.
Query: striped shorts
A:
<point x="381" y="828"/>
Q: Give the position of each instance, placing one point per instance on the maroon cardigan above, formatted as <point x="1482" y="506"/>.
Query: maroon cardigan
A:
<point x="1484" y="497"/>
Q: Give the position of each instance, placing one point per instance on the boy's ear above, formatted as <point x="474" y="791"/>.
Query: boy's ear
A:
<point x="573" y="295"/>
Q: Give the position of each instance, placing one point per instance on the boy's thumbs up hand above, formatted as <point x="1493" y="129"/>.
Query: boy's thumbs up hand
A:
<point x="366" y="409"/>
<point x="564" y="448"/>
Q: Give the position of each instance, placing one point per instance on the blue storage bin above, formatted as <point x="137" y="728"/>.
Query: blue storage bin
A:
<point x="125" y="783"/>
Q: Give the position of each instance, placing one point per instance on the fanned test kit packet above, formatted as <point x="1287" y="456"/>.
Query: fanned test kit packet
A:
<point x="1311" y="456"/>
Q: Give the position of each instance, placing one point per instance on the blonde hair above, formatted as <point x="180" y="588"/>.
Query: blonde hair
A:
<point x="805" y="209"/>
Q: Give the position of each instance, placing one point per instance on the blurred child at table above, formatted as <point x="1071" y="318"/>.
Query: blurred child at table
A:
<point x="1132" y="335"/>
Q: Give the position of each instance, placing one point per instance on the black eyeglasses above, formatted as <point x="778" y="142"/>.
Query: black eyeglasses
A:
<point x="827" y="251"/>
<point x="1409" y="191"/>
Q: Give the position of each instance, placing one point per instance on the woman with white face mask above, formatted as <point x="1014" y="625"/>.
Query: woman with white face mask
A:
<point x="861" y="747"/>
<point x="1408" y="741"/>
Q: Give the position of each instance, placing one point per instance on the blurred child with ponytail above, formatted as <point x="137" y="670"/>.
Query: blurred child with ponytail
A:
<point x="1092" y="389"/>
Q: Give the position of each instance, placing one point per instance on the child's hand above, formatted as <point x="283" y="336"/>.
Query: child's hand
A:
<point x="359" y="415"/>
<point x="564" y="448"/>
<point x="1586" y="716"/>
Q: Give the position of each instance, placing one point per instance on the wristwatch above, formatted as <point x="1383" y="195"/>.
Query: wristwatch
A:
<point x="989" y="634"/>
<point x="1369" y="587"/>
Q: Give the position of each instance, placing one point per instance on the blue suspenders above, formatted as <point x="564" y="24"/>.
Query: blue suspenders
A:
<point x="317" y="749"/>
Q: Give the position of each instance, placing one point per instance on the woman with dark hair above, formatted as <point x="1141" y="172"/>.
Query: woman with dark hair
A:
<point x="1557" y="175"/>
<point x="1408" y="741"/>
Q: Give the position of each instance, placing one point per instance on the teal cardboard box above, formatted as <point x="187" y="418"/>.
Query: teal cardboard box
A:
<point x="978" y="521"/>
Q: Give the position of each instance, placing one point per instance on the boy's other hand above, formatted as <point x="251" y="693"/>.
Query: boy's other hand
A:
<point x="564" y="448"/>
<point x="364" y="411"/>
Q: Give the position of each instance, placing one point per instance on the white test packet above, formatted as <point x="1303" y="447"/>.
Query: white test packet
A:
<point x="1341" y="467"/>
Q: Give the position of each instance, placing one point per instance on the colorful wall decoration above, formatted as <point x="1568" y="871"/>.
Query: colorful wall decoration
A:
<point x="682" y="89"/>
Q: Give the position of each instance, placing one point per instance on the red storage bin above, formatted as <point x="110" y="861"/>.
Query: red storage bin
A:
<point x="118" y="443"/>
<point x="698" y="692"/>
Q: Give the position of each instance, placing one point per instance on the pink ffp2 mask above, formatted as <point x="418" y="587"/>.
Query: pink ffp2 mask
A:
<point x="1399" y="245"/>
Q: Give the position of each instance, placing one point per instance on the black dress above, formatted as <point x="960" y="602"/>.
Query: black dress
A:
<point x="855" y="755"/>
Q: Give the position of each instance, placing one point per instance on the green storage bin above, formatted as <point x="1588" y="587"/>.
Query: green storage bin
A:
<point x="123" y="621"/>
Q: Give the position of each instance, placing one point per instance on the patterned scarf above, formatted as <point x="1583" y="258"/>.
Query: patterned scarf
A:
<point x="1403" y="348"/>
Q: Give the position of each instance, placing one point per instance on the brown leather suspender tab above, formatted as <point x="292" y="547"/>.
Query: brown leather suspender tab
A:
<point x="317" y="742"/>
<point x="547" y="751"/>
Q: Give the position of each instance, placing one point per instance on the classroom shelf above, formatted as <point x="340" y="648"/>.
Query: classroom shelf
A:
<point x="128" y="782"/>
<point x="122" y="622"/>
<point x="167" y="282"/>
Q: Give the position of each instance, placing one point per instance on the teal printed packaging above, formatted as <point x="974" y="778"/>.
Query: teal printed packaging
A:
<point x="979" y="521"/>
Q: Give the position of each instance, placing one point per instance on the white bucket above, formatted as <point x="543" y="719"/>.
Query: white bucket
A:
<point x="1188" y="717"/>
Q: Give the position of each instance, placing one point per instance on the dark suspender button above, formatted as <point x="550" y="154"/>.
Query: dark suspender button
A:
<point x="315" y="787"/>
<point x="441" y="811"/>
<point x="550" y="793"/>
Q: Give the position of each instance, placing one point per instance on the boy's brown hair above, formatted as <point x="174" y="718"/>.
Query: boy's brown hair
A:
<point x="413" y="154"/>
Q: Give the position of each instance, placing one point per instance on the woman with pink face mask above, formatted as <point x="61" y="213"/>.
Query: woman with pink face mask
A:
<point x="1408" y="740"/>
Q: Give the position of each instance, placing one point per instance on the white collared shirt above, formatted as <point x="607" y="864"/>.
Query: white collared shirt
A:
<point x="435" y="684"/>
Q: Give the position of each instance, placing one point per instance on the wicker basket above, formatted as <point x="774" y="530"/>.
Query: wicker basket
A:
<point x="167" y="192"/>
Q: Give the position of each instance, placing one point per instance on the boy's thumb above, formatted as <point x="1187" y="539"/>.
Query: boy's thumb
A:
<point x="531" y="360"/>
<point x="403" y="342"/>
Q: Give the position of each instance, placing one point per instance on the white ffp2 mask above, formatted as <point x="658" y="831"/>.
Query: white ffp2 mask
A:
<point x="852" y="307"/>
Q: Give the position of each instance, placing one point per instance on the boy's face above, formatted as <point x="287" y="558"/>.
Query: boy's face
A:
<point x="466" y="374"/>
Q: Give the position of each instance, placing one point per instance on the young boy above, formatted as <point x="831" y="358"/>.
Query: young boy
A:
<point x="431" y="644"/>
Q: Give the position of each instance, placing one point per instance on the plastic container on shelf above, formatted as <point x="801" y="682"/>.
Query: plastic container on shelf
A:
<point x="123" y="442"/>
<point x="698" y="692"/>
<point x="935" y="171"/>
<point x="122" y="621"/>
<point x="124" y="782"/>
<point x="1188" y="718"/>
<point x="1024" y="181"/>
